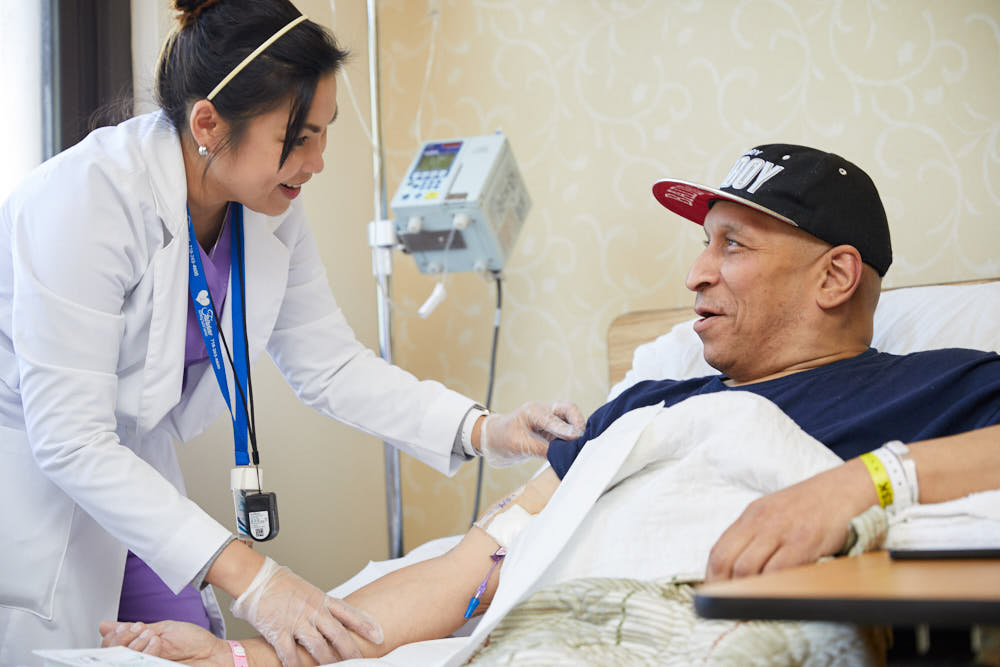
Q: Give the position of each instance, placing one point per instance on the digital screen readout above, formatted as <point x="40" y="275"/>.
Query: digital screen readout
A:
<point x="434" y="161"/>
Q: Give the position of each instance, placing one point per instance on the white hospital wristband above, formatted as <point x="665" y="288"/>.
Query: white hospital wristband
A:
<point x="902" y="452"/>
<point x="468" y="424"/>
<point x="903" y="494"/>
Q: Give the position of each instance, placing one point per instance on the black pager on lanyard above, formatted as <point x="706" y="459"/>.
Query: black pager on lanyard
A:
<point x="256" y="510"/>
<point x="262" y="515"/>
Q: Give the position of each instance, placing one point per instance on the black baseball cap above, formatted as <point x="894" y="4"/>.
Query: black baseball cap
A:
<point x="820" y="193"/>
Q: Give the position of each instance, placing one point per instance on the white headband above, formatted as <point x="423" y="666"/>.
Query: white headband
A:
<point x="246" y="61"/>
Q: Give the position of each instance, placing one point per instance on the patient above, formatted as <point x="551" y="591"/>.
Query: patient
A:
<point x="796" y="245"/>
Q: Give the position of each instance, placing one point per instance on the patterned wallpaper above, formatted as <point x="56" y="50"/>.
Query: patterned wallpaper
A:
<point x="601" y="98"/>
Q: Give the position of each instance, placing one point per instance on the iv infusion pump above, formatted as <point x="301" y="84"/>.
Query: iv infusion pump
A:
<point x="461" y="205"/>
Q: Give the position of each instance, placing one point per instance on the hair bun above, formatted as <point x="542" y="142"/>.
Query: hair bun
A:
<point x="190" y="10"/>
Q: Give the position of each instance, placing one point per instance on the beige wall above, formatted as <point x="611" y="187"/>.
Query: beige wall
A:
<point x="599" y="99"/>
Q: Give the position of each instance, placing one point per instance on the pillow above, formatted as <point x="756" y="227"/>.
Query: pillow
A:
<point x="938" y="316"/>
<point x="907" y="320"/>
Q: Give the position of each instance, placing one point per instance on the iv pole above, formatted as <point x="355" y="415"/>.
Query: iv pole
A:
<point x="382" y="240"/>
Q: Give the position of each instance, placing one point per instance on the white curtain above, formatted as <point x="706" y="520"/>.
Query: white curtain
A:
<point x="21" y="97"/>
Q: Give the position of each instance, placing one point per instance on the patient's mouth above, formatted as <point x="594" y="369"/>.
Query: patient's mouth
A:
<point x="707" y="315"/>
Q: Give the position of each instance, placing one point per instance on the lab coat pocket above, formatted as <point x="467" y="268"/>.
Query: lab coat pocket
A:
<point x="33" y="543"/>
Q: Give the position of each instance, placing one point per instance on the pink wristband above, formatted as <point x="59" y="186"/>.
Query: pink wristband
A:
<point x="239" y="654"/>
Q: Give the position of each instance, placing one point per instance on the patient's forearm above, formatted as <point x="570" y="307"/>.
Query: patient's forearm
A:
<point x="957" y="465"/>
<point x="427" y="600"/>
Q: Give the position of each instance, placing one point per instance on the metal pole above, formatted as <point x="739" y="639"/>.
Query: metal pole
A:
<point x="51" y="102"/>
<point x="382" y="263"/>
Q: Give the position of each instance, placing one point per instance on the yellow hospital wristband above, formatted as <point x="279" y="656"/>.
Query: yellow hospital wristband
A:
<point x="880" y="477"/>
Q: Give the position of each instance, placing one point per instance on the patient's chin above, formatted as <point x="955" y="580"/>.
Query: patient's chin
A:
<point x="717" y="361"/>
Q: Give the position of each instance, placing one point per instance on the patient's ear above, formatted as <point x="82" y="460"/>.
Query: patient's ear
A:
<point x="842" y="270"/>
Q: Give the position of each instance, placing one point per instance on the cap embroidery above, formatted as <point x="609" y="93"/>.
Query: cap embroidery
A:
<point x="746" y="170"/>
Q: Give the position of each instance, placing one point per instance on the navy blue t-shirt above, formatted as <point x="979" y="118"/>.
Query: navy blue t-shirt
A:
<point x="852" y="406"/>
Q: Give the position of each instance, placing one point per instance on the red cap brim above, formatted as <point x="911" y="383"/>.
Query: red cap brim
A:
<point x="691" y="200"/>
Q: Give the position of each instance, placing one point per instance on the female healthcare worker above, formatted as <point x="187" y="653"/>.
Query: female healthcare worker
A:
<point x="103" y="362"/>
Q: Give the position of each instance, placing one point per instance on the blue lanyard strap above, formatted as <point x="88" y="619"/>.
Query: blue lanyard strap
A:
<point x="204" y="309"/>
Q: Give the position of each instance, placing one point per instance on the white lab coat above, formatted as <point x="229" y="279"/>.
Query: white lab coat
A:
<point x="93" y="310"/>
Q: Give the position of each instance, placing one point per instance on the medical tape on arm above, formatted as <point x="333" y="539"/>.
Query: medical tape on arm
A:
<point x="505" y="520"/>
<point x="507" y="525"/>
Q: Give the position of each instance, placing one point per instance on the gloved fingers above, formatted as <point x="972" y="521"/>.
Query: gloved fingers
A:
<point x="118" y="633"/>
<point x="572" y="421"/>
<point x="530" y="443"/>
<point x="154" y="647"/>
<point x="323" y="651"/>
<point x="355" y="619"/>
<point x="560" y="420"/>
<point x="146" y="642"/>
<point x="284" y="648"/>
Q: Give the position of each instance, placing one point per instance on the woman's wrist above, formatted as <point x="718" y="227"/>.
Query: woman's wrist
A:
<point x="235" y="568"/>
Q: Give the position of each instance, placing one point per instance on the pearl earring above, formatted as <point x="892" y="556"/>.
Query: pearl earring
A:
<point x="203" y="151"/>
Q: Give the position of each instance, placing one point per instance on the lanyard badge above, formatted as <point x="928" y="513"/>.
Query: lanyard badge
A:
<point x="256" y="510"/>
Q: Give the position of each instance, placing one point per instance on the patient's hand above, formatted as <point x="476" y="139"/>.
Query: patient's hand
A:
<point x="796" y="525"/>
<point x="171" y="640"/>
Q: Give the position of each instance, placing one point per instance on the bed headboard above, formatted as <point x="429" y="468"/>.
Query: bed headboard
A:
<point x="629" y="330"/>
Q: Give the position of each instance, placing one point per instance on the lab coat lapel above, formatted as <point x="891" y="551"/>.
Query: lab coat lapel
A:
<point x="266" y="272"/>
<point x="164" y="368"/>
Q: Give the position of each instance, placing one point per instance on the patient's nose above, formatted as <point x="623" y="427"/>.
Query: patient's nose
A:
<point x="703" y="272"/>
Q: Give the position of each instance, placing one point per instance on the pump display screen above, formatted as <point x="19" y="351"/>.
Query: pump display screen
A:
<point x="438" y="157"/>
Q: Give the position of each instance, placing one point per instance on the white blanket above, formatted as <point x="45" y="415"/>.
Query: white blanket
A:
<point x="972" y="522"/>
<point x="688" y="471"/>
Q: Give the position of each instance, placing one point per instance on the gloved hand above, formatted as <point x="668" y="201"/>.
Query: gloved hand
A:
<point x="286" y="609"/>
<point x="515" y="436"/>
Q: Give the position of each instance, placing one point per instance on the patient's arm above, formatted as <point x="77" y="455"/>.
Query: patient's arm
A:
<point x="425" y="600"/>
<point x="808" y="520"/>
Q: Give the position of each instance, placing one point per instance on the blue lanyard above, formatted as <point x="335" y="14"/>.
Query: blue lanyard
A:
<point x="204" y="309"/>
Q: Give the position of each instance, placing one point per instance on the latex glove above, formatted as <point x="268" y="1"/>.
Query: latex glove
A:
<point x="286" y="609"/>
<point x="515" y="436"/>
<point x="171" y="640"/>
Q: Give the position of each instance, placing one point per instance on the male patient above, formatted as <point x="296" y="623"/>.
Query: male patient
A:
<point x="796" y="245"/>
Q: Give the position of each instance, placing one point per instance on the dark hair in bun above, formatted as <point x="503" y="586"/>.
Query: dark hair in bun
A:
<point x="216" y="35"/>
<point x="190" y="10"/>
